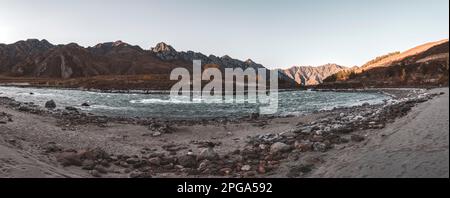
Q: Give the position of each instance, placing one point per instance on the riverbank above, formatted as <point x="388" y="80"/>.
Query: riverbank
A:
<point x="35" y="142"/>
<point x="416" y="145"/>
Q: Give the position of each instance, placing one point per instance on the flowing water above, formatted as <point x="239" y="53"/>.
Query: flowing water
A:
<point x="162" y="106"/>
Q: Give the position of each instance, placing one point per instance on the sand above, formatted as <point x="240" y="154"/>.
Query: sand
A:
<point x="415" y="146"/>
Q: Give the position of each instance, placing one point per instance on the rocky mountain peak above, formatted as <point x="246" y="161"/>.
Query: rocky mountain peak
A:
<point x="225" y="57"/>
<point x="72" y="45"/>
<point x="114" y="47"/>
<point x="34" y="44"/>
<point x="249" y="61"/>
<point x="165" y="52"/>
<point x="119" y="43"/>
<point x="38" y="42"/>
<point x="163" y="48"/>
<point x="111" y="44"/>
<point x="27" y="47"/>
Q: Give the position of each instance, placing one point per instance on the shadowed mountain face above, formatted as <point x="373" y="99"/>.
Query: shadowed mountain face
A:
<point x="40" y="59"/>
<point x="11" y="55"/>
<point x="425" y="65"/>
<point x="309" y="75"/>
<point x="33" y="58"/>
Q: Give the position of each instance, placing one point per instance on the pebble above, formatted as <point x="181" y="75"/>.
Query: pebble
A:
<point x="95" y="173"/>
<point x="101" y="169"/>
<point x="71" y="109"/>
<point x="307" y="130"/>
<point x="156" y="134"/>
<point x="187" y="161"/>
<point x="246" y="168"/>
<point x="261" y="169"/>
<point x="132" y="160"/>
<point x="262" y="146"/>
<point x="156" y="161"/>
<point x="320" y="147"/>
<point x="225" y="171"/>
<point x="303" y="146"/>
<point x="357" y="138"/>
<point x="203" y="165"/>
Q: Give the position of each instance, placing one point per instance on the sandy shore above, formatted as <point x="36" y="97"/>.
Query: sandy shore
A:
<point x="365" y="141"/>
<point x="416" y="145"/>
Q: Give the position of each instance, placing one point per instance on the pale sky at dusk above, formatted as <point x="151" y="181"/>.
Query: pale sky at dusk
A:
<point x="274" y="33"/>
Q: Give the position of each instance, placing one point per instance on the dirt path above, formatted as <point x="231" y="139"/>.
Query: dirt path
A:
<point x="416" y="145"/>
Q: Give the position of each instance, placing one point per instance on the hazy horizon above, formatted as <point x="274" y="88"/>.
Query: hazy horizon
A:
<point x="275" y="34"/>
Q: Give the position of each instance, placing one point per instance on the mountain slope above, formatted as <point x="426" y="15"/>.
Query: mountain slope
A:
<point x="397" y="56"/>
<point x="425" y="65"/>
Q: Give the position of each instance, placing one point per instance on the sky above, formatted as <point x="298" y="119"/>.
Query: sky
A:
<point x="275" y="33"/>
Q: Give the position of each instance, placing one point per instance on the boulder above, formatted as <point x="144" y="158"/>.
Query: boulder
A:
<point x="254" y="116"/>
<point x="71" y="109"/>
<point x="188" y="161"/>
<point x="132" y="160"/>
<point x="50" y="104"/>
<point x="95" y="154"/>
<point x="69" y="159"/>
<point x="208" y="153"/>
<point x="279" y="147"/>
<point x="357" y="138"/>
<point x="156" y="161"/>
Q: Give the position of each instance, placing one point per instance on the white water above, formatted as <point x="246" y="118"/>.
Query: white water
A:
<point x="161" y="105"/>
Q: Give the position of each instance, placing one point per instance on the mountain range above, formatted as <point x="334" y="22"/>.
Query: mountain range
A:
<point x="119" y="65"/>
<point x="435" y="54"/>
<point x="39" y="59"/>
<point x="312" y="75"/>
